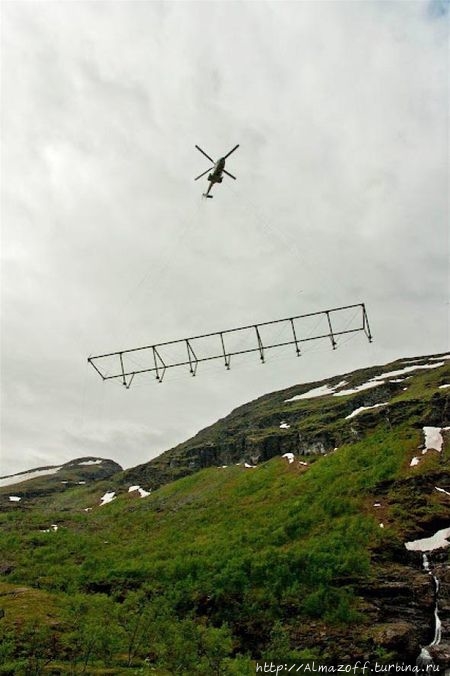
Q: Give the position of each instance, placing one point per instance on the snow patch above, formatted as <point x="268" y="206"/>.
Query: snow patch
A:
<point x="140" y="490"/>
<point x="284" y="426"/>
<point x="289" y="457"/>
<point x="443" y="387"/>
<point x="249" y="466"/>
<point x="26" y="476"/>
<point x="380" y="379"/>
<point x="14" y="498"/>
<point x="91" y="462"/>
<point x="359" y="388"/>
<point x="436" y="541"/>
<point x="442" y="490"/>
<point x="433" y="439"/>
<point x="315" y="392"/>
<point x="407" y="369"/>
<point x="364" y="408"/>
<point x="108" y="497"/>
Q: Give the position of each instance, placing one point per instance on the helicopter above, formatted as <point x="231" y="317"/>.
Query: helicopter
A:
<point x="218" y="169"/>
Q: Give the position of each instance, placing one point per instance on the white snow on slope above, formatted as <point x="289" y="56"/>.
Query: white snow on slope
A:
<point x="318" y="391"/>
<point x="108" y="497"/>
<point x="289" y="457"/>
<point x="444" y="356"/>
<point x="433" y="439"/>
<point x="407" y="369"/>
<point x="315" y="392"/>
<point x="380" y="379"/>
<point x="140" y="490"/>
<point x="14" y="498"/>
<point x="443" y="387"/>
<point x="436" y="541"/>
<point x="364" y="408"/>
<point x="442" y="490"/>
<point x="359" y="388"/>
<point x="373" y="382"/>
<point x="26" y="476"/>
<point x="91" y="462"/>
<point x="249" y="466"/>
<point x="284" y="426"/>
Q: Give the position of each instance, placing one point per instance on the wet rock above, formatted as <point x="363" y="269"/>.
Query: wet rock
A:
<point x="440" y="655"/>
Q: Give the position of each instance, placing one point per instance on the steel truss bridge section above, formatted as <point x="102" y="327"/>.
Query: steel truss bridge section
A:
<point x="190" y="352"/>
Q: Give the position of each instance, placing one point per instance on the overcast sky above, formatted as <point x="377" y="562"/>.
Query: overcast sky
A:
<point x="341" y="112"/>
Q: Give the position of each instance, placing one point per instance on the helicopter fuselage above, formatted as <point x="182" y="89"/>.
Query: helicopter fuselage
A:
<point x="216" y="175"/>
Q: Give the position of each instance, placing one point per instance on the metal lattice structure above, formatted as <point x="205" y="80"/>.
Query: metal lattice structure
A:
<point x="331" y="324"/>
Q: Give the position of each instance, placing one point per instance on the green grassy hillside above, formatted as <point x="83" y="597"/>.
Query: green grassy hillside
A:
<point x="286" y="559"/>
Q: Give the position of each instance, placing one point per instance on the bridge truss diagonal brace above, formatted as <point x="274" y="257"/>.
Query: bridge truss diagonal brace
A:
<point x="160" y="367"/>
<point x="366" y="327"/>
<point x="157" y="362"/>
<point x="193" y="361"/>
<point x="227" y="357"/>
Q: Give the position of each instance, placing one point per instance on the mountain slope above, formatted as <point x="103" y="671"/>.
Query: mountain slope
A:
<point x="43" y="481"/>
<point x="293" y="420"/>
<point x="300" y="556"/>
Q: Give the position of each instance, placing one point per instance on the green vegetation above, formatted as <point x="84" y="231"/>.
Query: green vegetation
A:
<point x="217" y="568"/>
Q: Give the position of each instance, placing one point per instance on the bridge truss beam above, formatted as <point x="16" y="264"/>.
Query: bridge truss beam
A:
<point x="331" y="324"/>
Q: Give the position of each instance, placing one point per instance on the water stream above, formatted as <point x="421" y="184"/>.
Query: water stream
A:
<point x="424" y="659"/>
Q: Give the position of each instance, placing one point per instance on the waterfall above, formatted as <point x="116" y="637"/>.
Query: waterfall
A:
<point x="438" y="623"/>
<point x="425" y="659"/>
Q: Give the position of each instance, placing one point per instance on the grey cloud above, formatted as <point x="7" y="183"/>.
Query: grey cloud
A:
<point x="341" y="197"/>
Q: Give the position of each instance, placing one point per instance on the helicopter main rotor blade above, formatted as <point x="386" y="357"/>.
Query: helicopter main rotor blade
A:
<point x="228" y="174"/>
<point x="203" y="153"/>
<point x="231" y="151"/>
<point x="205" y="172"/>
